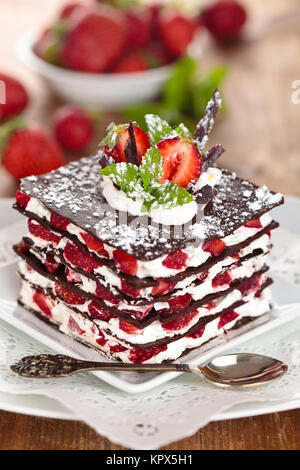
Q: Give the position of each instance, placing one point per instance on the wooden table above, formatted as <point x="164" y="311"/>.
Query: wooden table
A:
<point x="261" y="134"/>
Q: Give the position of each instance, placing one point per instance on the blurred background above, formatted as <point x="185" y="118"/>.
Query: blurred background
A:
<point x="165" y="57"/>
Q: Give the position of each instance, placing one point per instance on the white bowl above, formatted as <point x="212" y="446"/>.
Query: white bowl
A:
<point x="106" y="91"/>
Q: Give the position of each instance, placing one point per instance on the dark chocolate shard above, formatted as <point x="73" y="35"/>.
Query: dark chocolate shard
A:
<point x="209" y="157"/>
<point x="131" y="152"/>
<point x="205" y="125"/>
<point x="105" y="160"/>
<point x="205" y="194"/>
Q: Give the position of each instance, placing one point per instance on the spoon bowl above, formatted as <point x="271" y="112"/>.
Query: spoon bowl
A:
<point x="230" y="370"/>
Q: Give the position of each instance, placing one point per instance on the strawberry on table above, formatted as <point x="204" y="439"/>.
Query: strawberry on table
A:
<point x="16" y="97"/>
<point x="28" y="150"/>
<point x="74" y="128"/>
<point x="182" y="162"/>
<point x="95" y="41"/>
<point x="177" y="32"/>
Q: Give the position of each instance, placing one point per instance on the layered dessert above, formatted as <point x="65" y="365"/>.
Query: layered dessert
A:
<point x="148" y="249"/>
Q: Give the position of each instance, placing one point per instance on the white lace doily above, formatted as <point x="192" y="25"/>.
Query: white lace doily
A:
<point x="174" y="410"/>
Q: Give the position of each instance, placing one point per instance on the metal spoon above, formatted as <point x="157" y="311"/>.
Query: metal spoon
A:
<point x="230" y="370"/>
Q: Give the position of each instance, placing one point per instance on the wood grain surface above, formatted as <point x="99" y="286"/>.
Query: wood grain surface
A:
<point x="260" y="131"/>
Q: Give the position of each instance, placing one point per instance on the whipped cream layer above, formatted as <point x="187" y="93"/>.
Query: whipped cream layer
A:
<point x="194" y="256"/>
<point x="179" y="215"/>
<point x="216" y="279"/>
<point x="156" y="330"/>
<point x="85" y="330"/>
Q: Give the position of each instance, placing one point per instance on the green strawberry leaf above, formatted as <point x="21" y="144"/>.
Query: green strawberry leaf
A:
<point x="151" y="168"/>
<point x="181" y="129"/>
<point x="112" y="135"/>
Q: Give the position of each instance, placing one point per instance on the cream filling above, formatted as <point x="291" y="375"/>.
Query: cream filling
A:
<point x="61" y="316"/>
<point x="150" y="333"/>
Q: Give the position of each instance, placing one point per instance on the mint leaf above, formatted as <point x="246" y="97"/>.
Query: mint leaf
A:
<point x="181" y="129"/>
<point x="126" y="176"/>
<point x="202" y="90"/>
<point x="151" y="168"/>
<point x="177" y="93"/>
<point x="158" y="128"/>
<point x="168" y="195"/>
<point x="112" y="135"/>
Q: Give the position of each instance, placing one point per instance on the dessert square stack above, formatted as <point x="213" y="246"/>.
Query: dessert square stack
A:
<point x="125" y="283"/>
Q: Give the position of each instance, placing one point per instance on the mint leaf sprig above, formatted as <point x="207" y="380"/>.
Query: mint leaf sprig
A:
<point x="143" y="182"/>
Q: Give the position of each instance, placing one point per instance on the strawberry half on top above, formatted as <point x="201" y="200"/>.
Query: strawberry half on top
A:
<point x="122" y="132"/>
<point x="182" y="163"/>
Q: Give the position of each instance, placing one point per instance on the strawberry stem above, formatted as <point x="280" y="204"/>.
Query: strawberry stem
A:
<point x="8" y="128"/>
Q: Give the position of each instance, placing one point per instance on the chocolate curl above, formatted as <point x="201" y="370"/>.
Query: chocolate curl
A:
<point x="131" y="152"/>
<point x="209" y="157"/>
<point x="205" y="125"/>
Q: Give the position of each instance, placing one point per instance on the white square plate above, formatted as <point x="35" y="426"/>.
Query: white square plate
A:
<point x="285" y="293"/>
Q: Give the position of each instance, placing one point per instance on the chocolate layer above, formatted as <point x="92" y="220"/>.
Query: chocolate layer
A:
<point x="74" y="192"/>
<point x="126" y="315"/>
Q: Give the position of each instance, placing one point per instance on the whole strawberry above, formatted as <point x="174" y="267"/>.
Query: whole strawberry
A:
<point x="176" y="32"/>
<point x="73" y="128"/>
<point x="28" y="150"/>
<point x="16" y="97"/>
<point x="95" y="41"/>
<point x="224" y="19"/>
<point x="134" y="61"/>
<point x="139" y="24"/>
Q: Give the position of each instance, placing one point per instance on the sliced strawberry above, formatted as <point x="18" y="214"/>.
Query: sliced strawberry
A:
<point x="44" y="233"/>
<point x="105" y="294"/>
<point x="177" y="304"/>
<point x="255" y="223"/>
<point x="198" y="333"/>
<point x="44" y="303"/>
<point x="58" y="222"/>
<point x="22" y="247"/>
<point x="94" y="244"/>
<point x="202" y="276"/>
<point x="128" y="328"/>
<point x="97" y="332"/>
<point x="22" y="198"/>
<point x="221" y="279"/>
<point x="210" y="305"/>
<point x="72" y="276"/>
<point x="137" y="356"/>
<point x="67" y="295"/>
<point x="215" y="247"/>
<point x="163" y="288"/>
<point x="250" y="286"/>
<point x="269" y="234"/>
<point x="74" y="327"/>
<point x="118" y="151"/>
<point x="182" y="161"/>
<point x="175" y="260"/>
<point x="227" y="318"/>
<point x="96" y="311"/>
<point x="117" y="348"/>
<point x="139" y="314"/>
<point x="76" y="257"/>
<point x="129" y="290"/>
<point x="180" y="322"/>
<point x="51" y="264"/>
<point x="126" y="263"/>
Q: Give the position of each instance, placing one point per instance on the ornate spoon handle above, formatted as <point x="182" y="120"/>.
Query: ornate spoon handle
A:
<point x="46" y="366"/>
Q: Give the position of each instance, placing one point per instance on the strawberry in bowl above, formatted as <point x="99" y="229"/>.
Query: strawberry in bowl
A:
<point x="101" y="54"/>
